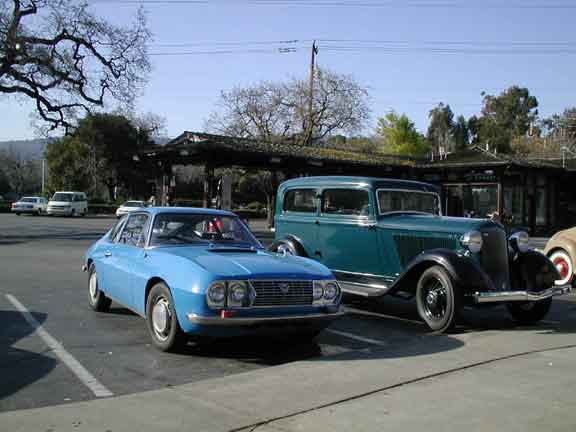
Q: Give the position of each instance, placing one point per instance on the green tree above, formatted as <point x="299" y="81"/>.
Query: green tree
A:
<point x="67" y="160"/>
<point x="399" y="135"/>
<point x="506" y="117"/>
<point x="441" y="129"/>
<point x="461" y="133"/>
<point x="104" y="145"/>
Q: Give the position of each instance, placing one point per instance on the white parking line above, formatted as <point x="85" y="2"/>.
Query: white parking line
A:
<point x="74" y="365"/>
<point x="358" y="338"/>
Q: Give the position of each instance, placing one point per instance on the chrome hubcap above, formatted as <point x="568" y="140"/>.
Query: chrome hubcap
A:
<point x="432" y="298"/>
<point x="161" y="318"/>
<point x="284" y="250"/>
<point x="435" y="300"/>
<point x="93" y="286"/>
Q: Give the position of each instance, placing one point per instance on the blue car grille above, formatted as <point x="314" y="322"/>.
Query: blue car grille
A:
<point x="282" y="293"/>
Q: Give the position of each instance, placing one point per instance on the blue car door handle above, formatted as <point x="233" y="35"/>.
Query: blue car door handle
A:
<point x="107" y="254"/>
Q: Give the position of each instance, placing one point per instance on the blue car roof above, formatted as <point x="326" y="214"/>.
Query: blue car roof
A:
<point x="358" y="181"/>
<point x="195" y="210"/>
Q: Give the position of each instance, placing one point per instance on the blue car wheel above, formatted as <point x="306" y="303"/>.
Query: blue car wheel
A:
<point x="161" y="320"/>
<point x="98" y="301"/>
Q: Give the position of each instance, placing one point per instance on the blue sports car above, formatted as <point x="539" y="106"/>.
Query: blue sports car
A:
<point x="201" y="272"/>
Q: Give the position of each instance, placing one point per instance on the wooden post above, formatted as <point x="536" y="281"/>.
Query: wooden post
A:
<point x="208" y="177"/>
<point x="272" y="200"/>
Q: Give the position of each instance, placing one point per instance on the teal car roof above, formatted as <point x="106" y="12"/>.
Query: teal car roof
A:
<point x="374" y="182"/>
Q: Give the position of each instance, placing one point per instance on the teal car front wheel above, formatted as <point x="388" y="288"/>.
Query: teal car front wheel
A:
<point x="438" y="300"/>
<point x="161" y="320"/>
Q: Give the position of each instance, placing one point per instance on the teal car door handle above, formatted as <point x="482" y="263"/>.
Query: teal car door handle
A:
<point x="370" y="226"/>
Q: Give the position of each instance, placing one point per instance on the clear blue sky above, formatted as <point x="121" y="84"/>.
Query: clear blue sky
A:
<point x="184" y="88"/>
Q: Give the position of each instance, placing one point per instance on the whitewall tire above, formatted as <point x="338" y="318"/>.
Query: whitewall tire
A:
<point x="564" y="265"/>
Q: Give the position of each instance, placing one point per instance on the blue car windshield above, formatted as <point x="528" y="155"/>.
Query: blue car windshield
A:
<point x="190" y="228"/>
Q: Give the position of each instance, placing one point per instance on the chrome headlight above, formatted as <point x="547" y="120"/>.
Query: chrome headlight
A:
<point x="237" y="293"/>
<point x="325" y="292"/>
<point x="216" y="294"/>
<point x="472" y="241"/>
<point x="331" y="291"/>
<point x="519" y="241"/>
<point x="317" y="291"/>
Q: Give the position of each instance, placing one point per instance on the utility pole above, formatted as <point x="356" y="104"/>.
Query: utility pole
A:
<point x="43" y="175"/>
<point x="311" y="96"/>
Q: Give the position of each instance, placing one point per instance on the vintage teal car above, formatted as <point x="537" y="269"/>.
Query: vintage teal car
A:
<point x="383" y="236"/>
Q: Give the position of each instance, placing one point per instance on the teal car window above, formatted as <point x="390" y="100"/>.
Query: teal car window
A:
<point x="407" y="201"/>
<point x="353" y="202"/>
<point x="300" y="200"/>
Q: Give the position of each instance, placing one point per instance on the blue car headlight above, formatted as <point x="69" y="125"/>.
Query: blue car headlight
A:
<point x="325" y="292"/>
<point x="237" y="293"/>
<point x="216" y="294"/>
<point x="331" y="291"/>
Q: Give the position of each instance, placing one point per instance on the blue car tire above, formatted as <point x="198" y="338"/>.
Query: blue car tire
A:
<point x="96" y="298"/>
<point x="161" y="320"/>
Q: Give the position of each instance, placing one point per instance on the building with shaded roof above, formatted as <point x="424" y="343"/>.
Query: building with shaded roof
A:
<point x="527" y="192"/>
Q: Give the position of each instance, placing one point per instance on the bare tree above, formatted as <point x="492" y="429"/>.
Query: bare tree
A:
<point x="275" y="111"/>
<point x="22" y="173"/>
<point x="278" y="111"/>
<point x="68" y="60"/>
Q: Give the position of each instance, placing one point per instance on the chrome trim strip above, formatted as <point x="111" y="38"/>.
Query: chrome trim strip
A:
<point x="515" y="296"/>
<point x="359" y="274"/>
<point x="246" y="321"/>
<point x="364" y="290"/>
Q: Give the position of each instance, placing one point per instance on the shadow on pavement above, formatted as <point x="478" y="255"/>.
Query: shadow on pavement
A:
<point x="18" y="367"/>
<point x="560" y="319"/>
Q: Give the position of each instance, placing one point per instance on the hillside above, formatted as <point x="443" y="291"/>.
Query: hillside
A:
<point x="33" y="148"/>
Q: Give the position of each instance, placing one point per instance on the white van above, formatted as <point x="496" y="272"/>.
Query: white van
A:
<point x="67" y="204"/>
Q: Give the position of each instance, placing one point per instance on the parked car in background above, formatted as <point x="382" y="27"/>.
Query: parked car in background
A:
<point x="129" y="206"/>
<point x="31" y="205"/>
<point x="202" y="273"/>
<point x="68" y="204"/>
<point x="388" y="237"/>
<point x="561" y="249"/>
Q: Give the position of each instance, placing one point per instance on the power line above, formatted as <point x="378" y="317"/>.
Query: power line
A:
<point x="399" y="4"/>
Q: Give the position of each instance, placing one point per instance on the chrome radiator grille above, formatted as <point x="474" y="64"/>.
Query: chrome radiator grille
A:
<point x="282" y="293"/>
<point x="410" y="245"/>
<point x="494" y="256"/>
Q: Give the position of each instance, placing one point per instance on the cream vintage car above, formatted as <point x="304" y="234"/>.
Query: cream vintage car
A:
<point x="561" y="249"/>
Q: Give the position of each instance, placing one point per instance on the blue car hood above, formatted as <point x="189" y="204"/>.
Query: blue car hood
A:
<point x="249" y="264"/>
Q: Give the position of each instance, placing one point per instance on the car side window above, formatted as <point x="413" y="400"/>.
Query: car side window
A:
<point x="300" y="200"/>
<point x="350" y="202"/>
<point x="134" y="231"/>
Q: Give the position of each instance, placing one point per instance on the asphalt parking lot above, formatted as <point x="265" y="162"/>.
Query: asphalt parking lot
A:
<point x="40" y="260"/>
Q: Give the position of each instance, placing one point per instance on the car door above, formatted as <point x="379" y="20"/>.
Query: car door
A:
<point x="299" y="217"/>
<point x="347" y="234"/>
<point x="125" y="257"/>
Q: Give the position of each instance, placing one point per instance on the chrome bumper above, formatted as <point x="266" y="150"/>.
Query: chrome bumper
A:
<point x="249" y="321"/>
<point x="521" y="296"/>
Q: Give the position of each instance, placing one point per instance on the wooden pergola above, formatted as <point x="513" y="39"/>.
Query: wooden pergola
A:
<point x="217" y="151"/>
